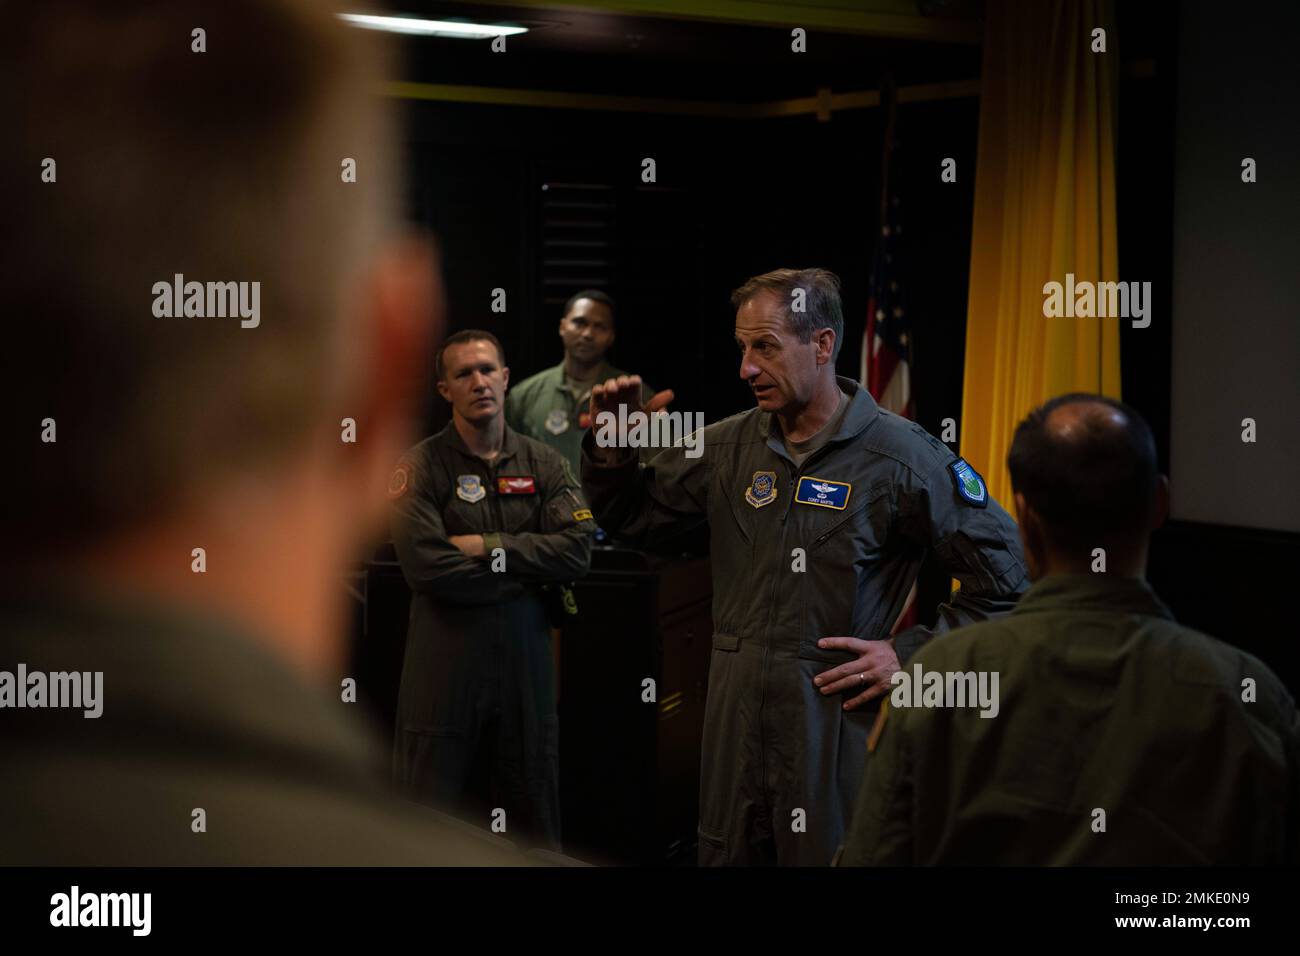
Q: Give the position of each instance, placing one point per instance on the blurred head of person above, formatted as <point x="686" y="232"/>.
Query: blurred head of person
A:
<point x="139" y="155"/>
<point x="789" y="325"/>
<point x="587" y="328"/>
<point x="472" y="376"/>
<point x="1084" y="476"/>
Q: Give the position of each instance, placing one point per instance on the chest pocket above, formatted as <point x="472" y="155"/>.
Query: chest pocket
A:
<point x="463" y="517"/>
<point x="845" y="536"/>
<point x="519" y="513"/>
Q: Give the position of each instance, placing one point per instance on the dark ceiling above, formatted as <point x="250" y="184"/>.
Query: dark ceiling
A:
<point x="576" y="50"/>
<point x="595" y="52"/>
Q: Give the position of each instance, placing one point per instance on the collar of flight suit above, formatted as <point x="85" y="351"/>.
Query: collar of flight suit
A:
<point x="1100" y="592"/>
<point x="862" y="411"/>
<point x="509" y="444"/>
<point x="555" y="375"/>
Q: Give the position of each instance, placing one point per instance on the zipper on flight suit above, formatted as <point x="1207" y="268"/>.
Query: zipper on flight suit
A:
<point x="767" y="646"/>
<point x="797" y="474"/>
<point x="499" y="524"/>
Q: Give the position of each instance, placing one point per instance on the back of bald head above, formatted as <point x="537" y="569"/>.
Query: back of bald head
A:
<point x="1086" y="464"/>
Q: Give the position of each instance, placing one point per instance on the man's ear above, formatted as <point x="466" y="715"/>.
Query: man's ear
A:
<point x="505" y="375"/>
<point x="443" y="390"/>
<point x="825" y="346"/>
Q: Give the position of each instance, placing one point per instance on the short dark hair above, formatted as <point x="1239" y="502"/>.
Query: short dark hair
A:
<point x="115" y="95"/>
<point x="821" y="300"/>
<point x="1090" y="487"/>
<point x="460" y="338"/>
<point x="595" y="295"/>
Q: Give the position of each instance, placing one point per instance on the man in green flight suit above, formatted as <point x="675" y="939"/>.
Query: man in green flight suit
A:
<point x="821" y="507"/>
<point x="483" y="518"/>
<point x="551" y="406"/>
<point x="1118" y="736"/>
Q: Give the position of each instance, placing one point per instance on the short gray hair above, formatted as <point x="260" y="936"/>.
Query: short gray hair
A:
<point x="821" y="300"/>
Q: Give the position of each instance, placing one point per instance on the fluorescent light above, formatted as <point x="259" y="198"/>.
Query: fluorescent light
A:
<point x="430" y="28"/>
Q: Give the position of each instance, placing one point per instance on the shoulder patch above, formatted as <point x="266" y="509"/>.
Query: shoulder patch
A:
<point x="400" y="483"/>
<point x="970" y="486"/>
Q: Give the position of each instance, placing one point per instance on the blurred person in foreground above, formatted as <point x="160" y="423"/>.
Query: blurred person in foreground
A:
<point x="200" y="300"/>
<point x="1119" y="737"/>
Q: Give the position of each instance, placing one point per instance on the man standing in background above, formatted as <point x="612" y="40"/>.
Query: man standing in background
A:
<point x="484" y="517"/>
<point x="551" y="406"/>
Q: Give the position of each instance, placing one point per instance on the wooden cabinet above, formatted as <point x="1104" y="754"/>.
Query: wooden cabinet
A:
<point x="630" y="768"/>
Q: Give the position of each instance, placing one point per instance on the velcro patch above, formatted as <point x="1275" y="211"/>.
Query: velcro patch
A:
<point x="516" y="485"/>
<point x="823" y="493"/>
<point x="970" y="486"/>
<point x="400" y="482"/>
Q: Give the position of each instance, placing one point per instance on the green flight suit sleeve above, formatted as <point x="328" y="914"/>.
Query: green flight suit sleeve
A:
<point x="431" y="564"/>
<point x="644" y="505"/>
<point x="880" y="832"/>
<point x="980" y="547"/>
<point x="561" y="551"/>
<point x="515" y="412"/>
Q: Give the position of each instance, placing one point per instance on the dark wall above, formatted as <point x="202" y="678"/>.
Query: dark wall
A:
<point x="732" y="199"/>
<point x="1226" y="581"/>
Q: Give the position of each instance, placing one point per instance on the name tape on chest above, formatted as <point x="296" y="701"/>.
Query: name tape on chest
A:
<point x="822" y="493"/>
<point x="516" y="485"/>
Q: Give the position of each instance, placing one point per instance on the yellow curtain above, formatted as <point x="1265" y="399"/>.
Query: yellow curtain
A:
<point x="1044" y="207"/>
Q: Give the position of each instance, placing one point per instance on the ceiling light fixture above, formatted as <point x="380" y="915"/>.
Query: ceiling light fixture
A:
<point x="431" y="28"/>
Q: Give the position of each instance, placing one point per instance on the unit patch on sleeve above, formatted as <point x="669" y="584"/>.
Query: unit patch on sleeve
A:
<point x="400" y="482"/>
<point x="970" y="486"/>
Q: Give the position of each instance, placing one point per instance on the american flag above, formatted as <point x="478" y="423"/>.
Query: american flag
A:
<point x="887" y="343"/>
<point x="886" y="370"/>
